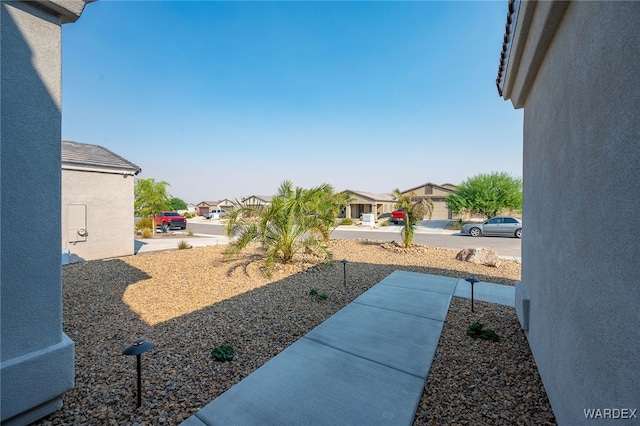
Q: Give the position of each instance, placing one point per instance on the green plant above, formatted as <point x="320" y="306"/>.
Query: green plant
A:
<point x="384" y="223"/>
<point x="145" y="222"/>
<point x="487" y="194"/>
<point x="183" y="245"/>
<point x="190" y="232"/>
<point x="415" y="209"/>
<point x="223" y="353"/>
<point x="320" y="296"/>
<point x="346" y="221"/>
<point x="457" y="225"/>
<point x="476" y="330"/>
<point x="297" y="219"/>
<point x="147" y="232"/>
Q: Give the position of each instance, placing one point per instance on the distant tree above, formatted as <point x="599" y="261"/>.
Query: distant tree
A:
<point x="297" y="219"/>
<point x="151" y="197"/>
<point x="487" y="194"/>
<point x="415" y="209"/>
<point x="177" y="204"/>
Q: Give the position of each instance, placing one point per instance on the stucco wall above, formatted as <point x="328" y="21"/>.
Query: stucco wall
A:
<point x="36" y="356"/>
<point x="581" y="201"/>
<point x="109" y="202"/>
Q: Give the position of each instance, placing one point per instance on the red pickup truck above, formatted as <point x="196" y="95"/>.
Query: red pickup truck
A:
<point x="397" y="216"/>
<point x="171" y="219"/>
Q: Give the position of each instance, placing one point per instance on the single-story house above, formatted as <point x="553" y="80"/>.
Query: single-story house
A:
<point x="437" y="194"/>
<point x="362" y="202"/>
<point x="204" y="207"/>
<point x="257" y="200"/>
<point x="97" y="203"/>
<point x="226" y="204"/>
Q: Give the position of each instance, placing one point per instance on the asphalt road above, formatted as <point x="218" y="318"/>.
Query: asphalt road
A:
<point x="504" y="246"/>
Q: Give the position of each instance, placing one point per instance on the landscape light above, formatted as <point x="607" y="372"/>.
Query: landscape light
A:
<point x="344" y="271"/>
<point x="137" y="348"/>
<point x="472" y="280"/>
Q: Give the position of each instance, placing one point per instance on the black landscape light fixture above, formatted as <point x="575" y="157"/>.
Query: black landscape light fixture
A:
<point x="137" y="348"/>
<point x="472" y="280"/>
<point x="344" y="271"/>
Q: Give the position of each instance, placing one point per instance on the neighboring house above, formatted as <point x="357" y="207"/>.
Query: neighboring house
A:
<point x="368" y="202"/>
<point x="257" y="200"/>
<point x="226" y="205"/>
<point x="575" y="69"/>
<point x="37" y="357"/>
<point x="97" y="202"/>
<point x="437" y="194"/>
<point x="205" y="207"/>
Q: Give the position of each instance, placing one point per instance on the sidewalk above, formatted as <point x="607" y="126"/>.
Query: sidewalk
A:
<point x="367" y="364"/>
<point x="158" y="244"/>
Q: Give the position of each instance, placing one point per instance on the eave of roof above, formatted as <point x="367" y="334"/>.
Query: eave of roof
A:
<point x="88" y="157"/>
<point x="510" y="26"/>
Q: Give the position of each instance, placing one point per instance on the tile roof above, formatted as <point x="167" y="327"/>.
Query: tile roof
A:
<point x="512" y="17"/>
<point x="84" y="155"/>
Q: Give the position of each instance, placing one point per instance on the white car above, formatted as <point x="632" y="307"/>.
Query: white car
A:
<point x="499" y="225"/>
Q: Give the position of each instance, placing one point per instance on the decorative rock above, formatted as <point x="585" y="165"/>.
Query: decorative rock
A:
<point x="479" y="256"/>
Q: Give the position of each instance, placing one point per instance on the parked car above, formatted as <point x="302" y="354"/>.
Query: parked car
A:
<point x="214" y="214"/>
<point x="397" y="216"/>
<point x="499" y="225"/>
<point x="171" y="220"/>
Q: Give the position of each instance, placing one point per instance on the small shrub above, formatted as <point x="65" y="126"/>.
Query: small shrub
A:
<point x="190" y="232"/>
<point x="188" y="215"/>
<point x="346" y="221"/>
<point x="320" y="296"/>
<point x="384" y="223"/>
<point x="145" y="222"/>
<point x="223" y="353"/>
<point x="457" y="225"/>
<point x="183" y="245"/>
<point x="477" y="330"/>
<point x="147" y="232"/>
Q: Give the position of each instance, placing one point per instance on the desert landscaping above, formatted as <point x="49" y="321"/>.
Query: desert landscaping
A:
<point x="189" y="301"/>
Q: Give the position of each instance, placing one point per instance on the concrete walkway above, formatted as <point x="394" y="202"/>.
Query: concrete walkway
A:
<point x="365" y="365"/>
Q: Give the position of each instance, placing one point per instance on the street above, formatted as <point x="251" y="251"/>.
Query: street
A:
<point x="504" y="246"/>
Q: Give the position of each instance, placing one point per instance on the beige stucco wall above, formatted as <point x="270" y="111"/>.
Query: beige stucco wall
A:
<point x="581" y="201"/>
<point x="110" y="222"/>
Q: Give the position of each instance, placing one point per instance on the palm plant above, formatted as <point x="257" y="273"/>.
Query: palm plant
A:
<point x="297" y="219"/>
<point x="415" y="209"/>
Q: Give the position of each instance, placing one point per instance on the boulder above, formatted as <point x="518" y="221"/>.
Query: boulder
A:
<point x="479" y="256"/>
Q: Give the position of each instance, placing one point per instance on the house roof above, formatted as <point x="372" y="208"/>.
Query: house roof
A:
<point x="431" y="184"/>
<point x="265" y="198"/>
<point x="84" y="156"/>
<point x="373" y="196"/>
<point x="209" y="203"/>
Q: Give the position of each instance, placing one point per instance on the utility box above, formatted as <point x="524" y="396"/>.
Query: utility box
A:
<point x="368" y="220"/>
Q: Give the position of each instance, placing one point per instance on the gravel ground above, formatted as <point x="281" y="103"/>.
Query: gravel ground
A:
<point x="189" y="301"/>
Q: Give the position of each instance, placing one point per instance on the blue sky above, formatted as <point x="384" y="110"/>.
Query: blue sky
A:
<point x="228" y="99"/>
